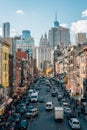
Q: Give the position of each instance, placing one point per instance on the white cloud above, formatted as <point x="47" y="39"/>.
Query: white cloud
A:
<point x="13" y="33"/>
<point x="63" y="25"/>
<point x="84" y="13"/>
<point x="79" y="26"/>
<point x="19" y="12"/>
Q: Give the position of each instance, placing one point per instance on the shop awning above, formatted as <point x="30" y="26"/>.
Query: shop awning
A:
<point x="9" y="100"/>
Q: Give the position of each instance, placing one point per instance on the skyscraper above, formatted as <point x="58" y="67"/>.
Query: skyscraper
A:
<point x="58" y="35"/>
<point x="6" y="30"/>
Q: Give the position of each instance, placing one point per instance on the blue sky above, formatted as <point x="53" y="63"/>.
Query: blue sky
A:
<point x="38" y="15"/>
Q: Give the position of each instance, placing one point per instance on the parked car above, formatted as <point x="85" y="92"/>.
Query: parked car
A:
<point x="17" y="117"/>
<point x="49" y="106"/>
<point x="74" y="123"/>
<point x="22" y="110"/>
<point x="23" y="124"/>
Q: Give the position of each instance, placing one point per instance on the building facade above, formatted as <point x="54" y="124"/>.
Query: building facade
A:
<point x="10" y="41"/>
<point x="25" y="45"/>
<point x="5" y="68"/>
<point x="21" y="70"/>
<point x="43" y="54"/>
<point x="74" y="64"/>
<point x="1" y="87"/>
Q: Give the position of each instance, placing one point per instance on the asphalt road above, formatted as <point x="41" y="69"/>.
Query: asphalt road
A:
<point x="45" y="120"/>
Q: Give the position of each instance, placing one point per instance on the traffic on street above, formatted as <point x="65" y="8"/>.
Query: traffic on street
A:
<point x="45" y="106"/>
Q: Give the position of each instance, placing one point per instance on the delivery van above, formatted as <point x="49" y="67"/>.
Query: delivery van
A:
<point x="58" y="113"/>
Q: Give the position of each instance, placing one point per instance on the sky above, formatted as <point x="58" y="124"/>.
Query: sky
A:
<point x="38" y="16"/>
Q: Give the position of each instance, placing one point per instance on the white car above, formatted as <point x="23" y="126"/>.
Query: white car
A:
<point x="74" y="123"/>
<point x="49" y="106"/>
<point x="34" y="97"/>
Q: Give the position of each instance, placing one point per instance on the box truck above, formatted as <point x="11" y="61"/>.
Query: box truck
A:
<point x="58" y="113"/>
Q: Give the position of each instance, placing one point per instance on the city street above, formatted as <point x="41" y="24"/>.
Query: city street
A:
<point x="43" y="65"/>
<point x="45" y="119"/>
<point x="26" y="114"/>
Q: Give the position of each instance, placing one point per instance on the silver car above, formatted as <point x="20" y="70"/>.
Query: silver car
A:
<point x="74" y="123"/>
